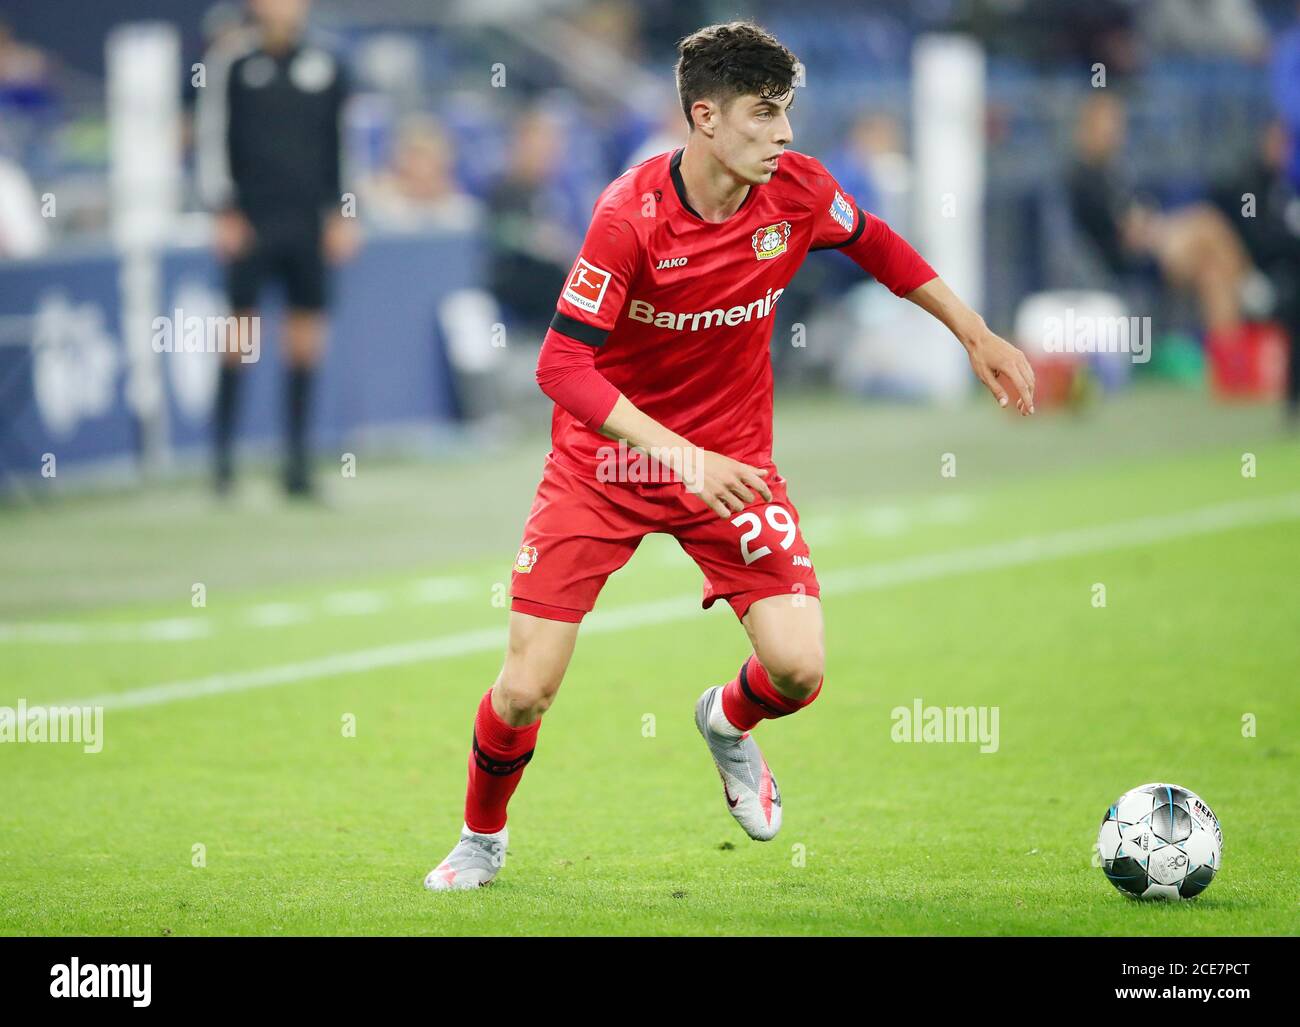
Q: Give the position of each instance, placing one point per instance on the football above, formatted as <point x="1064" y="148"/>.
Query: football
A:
<point x="1160" y="841"/>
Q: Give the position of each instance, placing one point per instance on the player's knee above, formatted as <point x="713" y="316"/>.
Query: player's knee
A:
<point x="527" y="694"/>
<point x="798" y="674"/>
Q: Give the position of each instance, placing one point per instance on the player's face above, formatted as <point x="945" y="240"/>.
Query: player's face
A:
<point x="752" y="134"/>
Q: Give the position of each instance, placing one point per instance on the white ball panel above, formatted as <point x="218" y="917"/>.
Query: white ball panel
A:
<point x="1200" y="848"/>
<point x="1108" y="839"/>
<point x="1135" y="805"/>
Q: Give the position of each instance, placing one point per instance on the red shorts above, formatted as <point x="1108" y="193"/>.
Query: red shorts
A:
<point x="581" y="530"/>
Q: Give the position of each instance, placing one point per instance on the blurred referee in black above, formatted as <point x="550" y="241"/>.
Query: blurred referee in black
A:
<point x="268" y="125"/>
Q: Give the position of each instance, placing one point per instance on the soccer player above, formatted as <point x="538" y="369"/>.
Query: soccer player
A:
<point x="660" y="341"/>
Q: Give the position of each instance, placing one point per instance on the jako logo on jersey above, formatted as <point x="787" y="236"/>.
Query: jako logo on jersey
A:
<point x="586" y="286"/>
<point x="842" y="212"/>
<point x="671" y="262"/>
<point x="640" y="310"/>
<point x="769" y="241"/>
<point x="526" y="558"/>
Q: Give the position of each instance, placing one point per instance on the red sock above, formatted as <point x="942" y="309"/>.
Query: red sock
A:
<point x="751" y="697"/>
<point x="496" y="763"/>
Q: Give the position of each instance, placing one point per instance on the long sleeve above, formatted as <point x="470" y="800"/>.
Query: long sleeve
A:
<point x="566" y="372"/>
<point x="888" y="257"/>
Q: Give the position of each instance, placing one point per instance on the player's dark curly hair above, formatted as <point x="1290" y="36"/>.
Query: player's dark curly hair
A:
<point x="739" y="58"/>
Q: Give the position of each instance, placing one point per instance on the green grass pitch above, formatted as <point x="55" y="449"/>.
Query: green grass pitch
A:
<point x="225" y="725"/>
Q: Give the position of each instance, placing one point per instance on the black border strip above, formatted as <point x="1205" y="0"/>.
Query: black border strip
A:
<point x="226" y="975"/>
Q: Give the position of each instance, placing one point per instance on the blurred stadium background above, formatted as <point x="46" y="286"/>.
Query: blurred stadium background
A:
<point x="476" y="137"/>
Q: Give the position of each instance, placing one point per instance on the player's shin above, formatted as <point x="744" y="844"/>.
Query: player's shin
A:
<point x="497" y="758"/>
<point x="751" y="697"/>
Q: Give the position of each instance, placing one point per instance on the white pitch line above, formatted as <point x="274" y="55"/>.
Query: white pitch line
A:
<point x="1068" y="543"/>
<point x="176" y="629"/>
<point x="263" y="615"/>
<point x="1072" y="542"/>
<point x="276" y="615"/>
<point x="448" y="647"/>
<point x="354" y="604"/>
<point x="442" y="590"/>
<point x="886" y="521"/>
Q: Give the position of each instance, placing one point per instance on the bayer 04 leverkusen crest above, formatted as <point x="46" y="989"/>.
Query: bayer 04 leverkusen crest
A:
<point x="526" y="558"/>
<point x="770" y="240"/>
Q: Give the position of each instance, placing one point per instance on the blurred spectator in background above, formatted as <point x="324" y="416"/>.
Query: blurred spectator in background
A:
<point x="271" y="149"/>
<point x="1262" y="201"/>
<point x="615" y="24"/>
<point x="1285" y="76"/>
<point x="669" y="134"/>
<point x="1286" y="99"/>
<point x="1194" y="247"/>
<point x="533" y="246"/>
<point x="420" y="191"/>
<point x="1054" y="32"/>
<point x="1205" y="28"/>
<point x="21" y="66"/>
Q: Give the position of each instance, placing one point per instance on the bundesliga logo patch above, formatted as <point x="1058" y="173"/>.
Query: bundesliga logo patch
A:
<point x="586" y="286"/>
<point x="769" y="241"/>
<point x="526" y="558"/>
<point x="842" y="212"/>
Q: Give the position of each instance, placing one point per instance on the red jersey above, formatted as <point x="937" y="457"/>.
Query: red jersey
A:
<point x="681" y="310"/>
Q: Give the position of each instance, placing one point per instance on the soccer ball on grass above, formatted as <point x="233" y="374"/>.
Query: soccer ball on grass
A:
<point x="1160" y="841"/>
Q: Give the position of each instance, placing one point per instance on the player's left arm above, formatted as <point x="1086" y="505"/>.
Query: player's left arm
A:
<point x="891" y="260"/>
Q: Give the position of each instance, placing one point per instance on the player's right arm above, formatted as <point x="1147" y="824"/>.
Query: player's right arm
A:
<point x="592" y="298"/>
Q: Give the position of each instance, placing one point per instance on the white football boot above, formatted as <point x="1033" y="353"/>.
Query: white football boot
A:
<point x="473" y="863"/>
<point x="752" y="795"/>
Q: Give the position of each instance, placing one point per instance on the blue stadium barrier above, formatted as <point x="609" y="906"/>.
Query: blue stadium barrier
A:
<point x="64" y="378"/>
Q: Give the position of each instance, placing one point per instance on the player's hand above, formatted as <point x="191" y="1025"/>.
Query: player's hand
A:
<point x="727" y="486"/>
<point x="342" y="239"/>
<point x="1004" y="369"/>
<point x="232" y="235"/>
